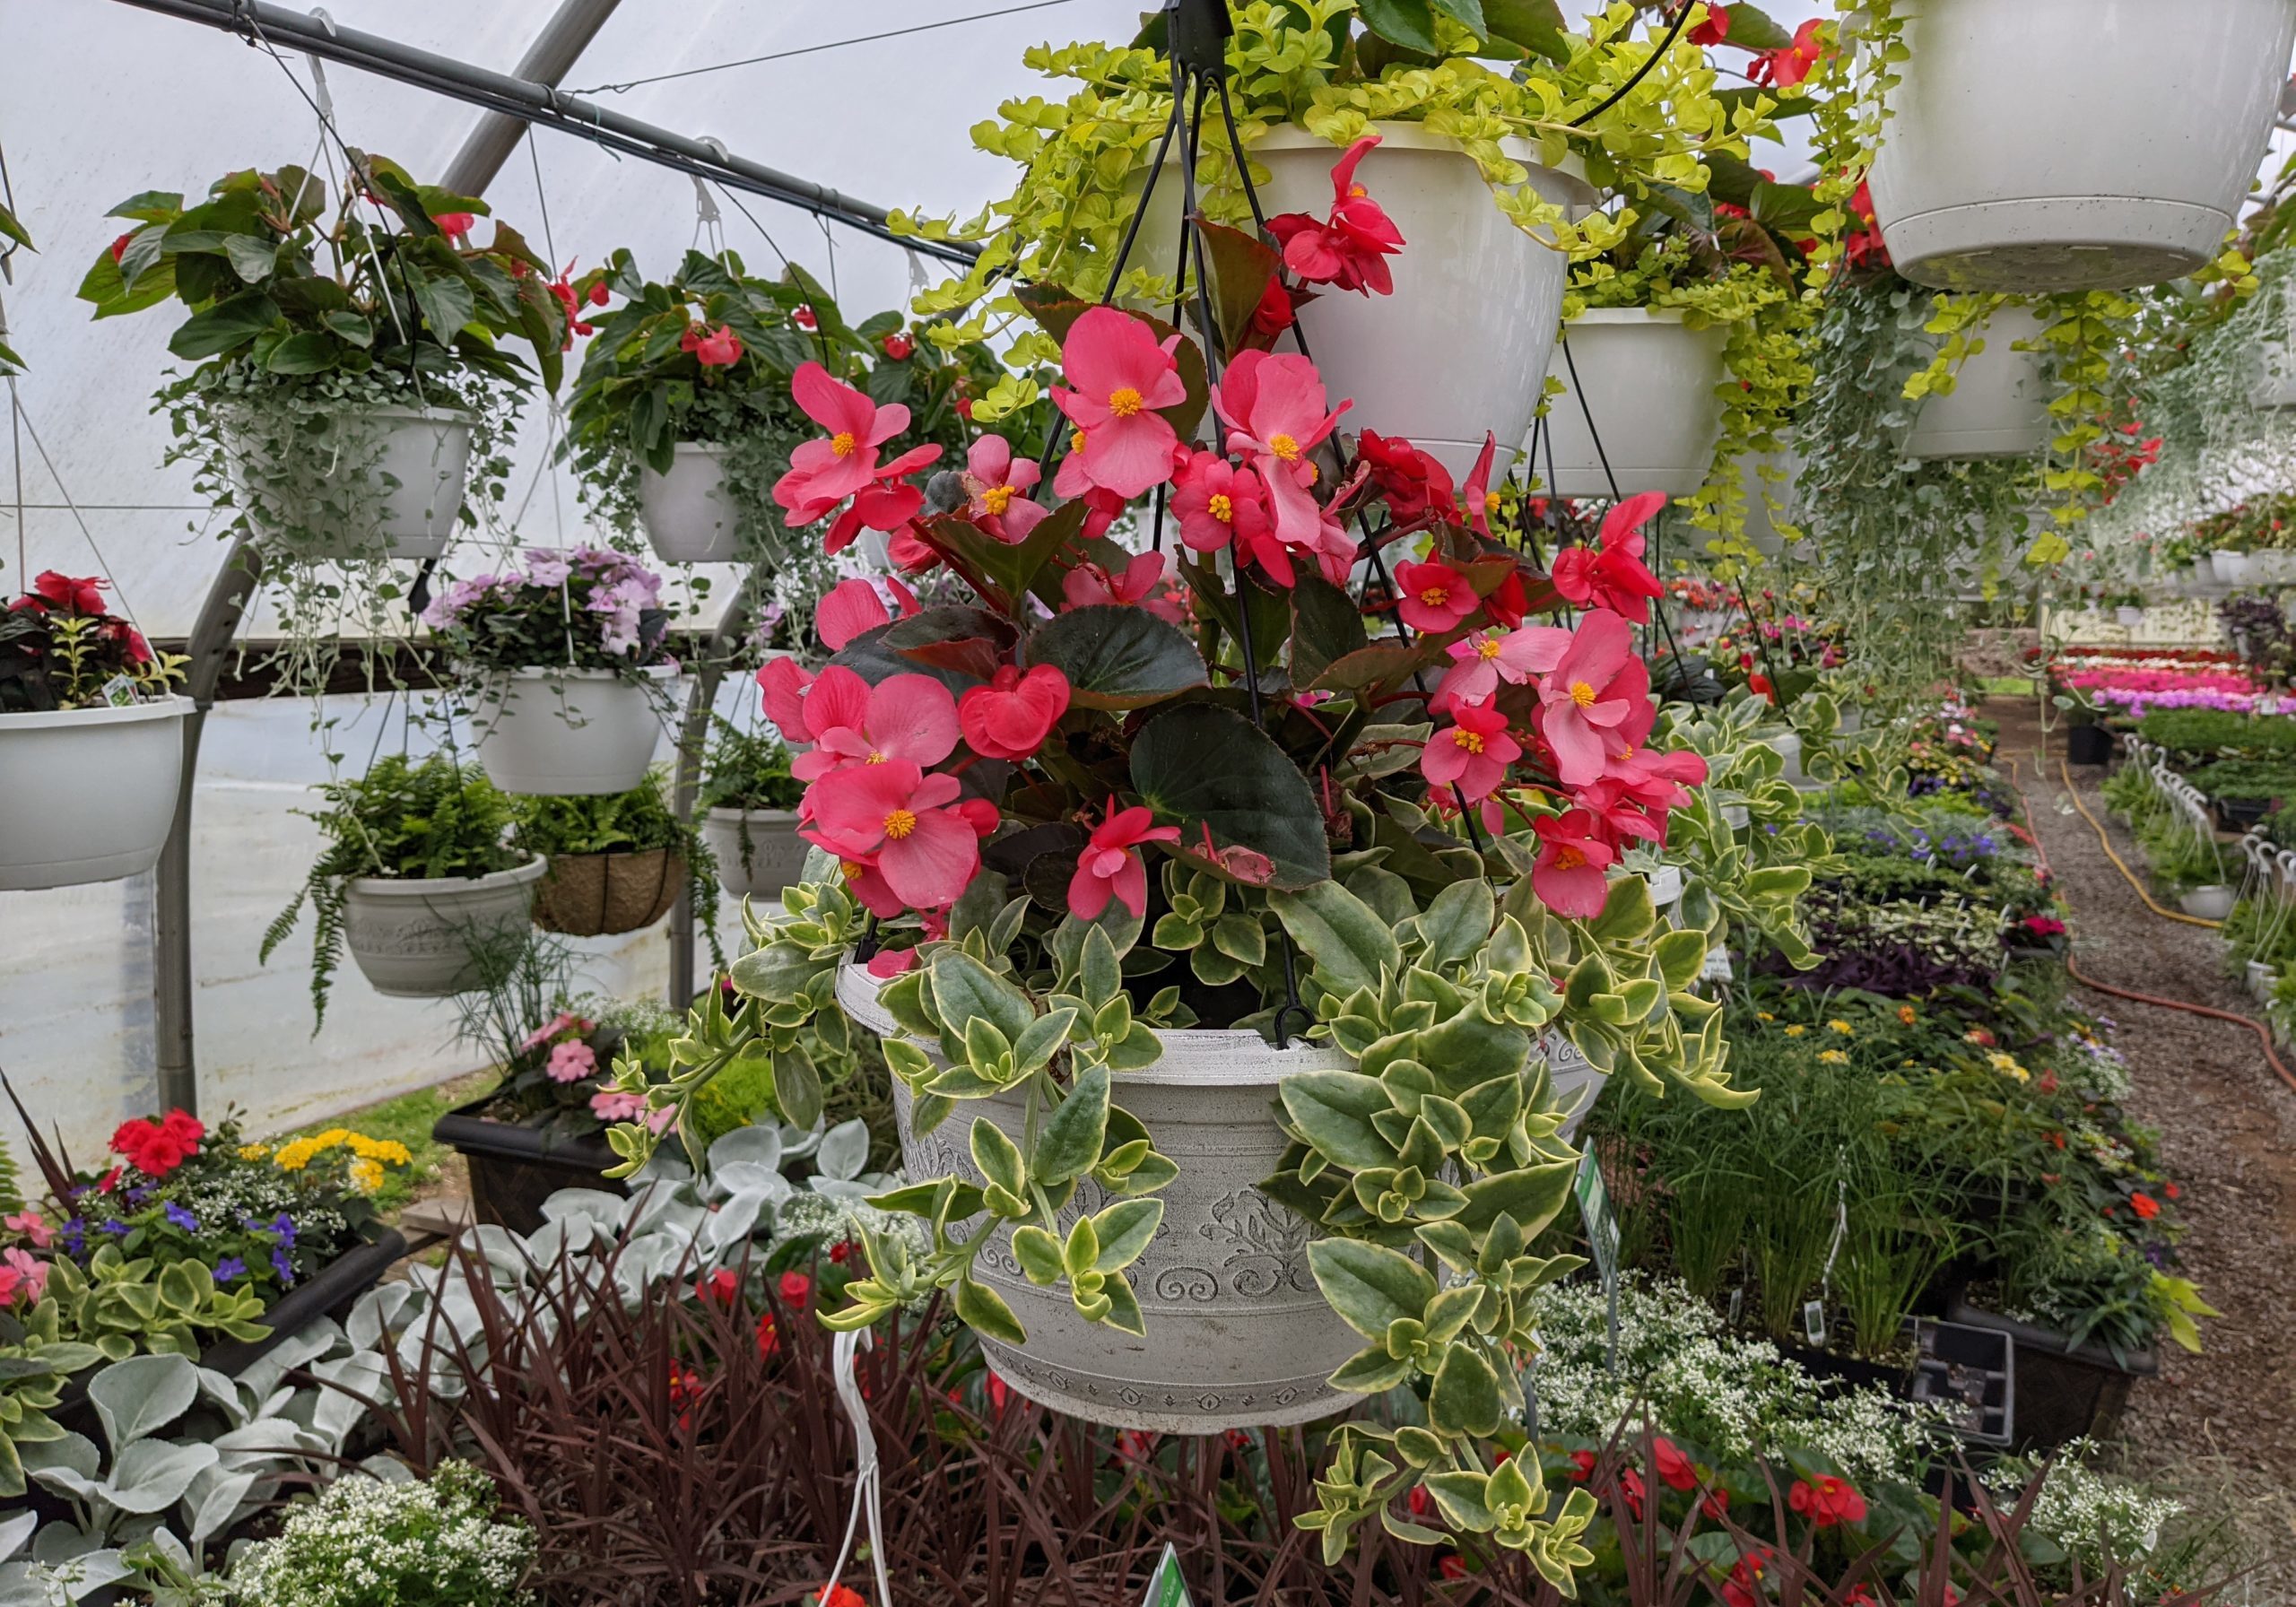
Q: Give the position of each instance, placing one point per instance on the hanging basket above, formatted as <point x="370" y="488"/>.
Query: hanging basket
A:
<point x="758" y="851"/>
<point x="1998" y="406"/>
<point x="686" y="514"/>
<point x="1653" y="386"/>
<point x="2074" y="144"/>
<point x="87" y="794"/>
<point x="605" y="895"/>
<point x="556" y="733"/>
<point x="1763" y="532"/>
<point x="1460" y="347"/>
<point x="427" y="939"/>
<point x="408" y="465"/>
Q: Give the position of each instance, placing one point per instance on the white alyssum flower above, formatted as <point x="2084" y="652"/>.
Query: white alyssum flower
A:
<point x="368" y="1543"/>
<point x="2088" y="1513"/>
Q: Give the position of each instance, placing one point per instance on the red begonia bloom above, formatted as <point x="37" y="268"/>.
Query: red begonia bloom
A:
<point x="1350" y="248"/>
<point x="898" y="346"/>
<point x="1273" y="407"/>
<point x="851" y="608"/>
<point x="997" y="486"/>
<point x="1011" y="716"/>
<point x="1473" y="754"/>
<point x="884" y="503"/>
<point x="1477" y="493"/>
<point x="1591" y="691"/>
<point x="1110" y="866"/>
<point x="824" y="472"/>
<point x="1826" y="1501"/>
<point x="1568" y="875"/>
<point x="1613" y="576"/>
<point x="72" y="593"/>
<point x="1145" y="581"/>
<point x="2144" y="1205"/>
<point x="1413" y="482"/>
<point x="1433" y="597"/>
<point x="1275" y="313"/>
<point x="782" y="684"/>
<point x="1715" y="29"/>
<point x="1121" y="374"/>
<point x="719" y="348"/>
<point x="1672" y="1466"/>
<point x="456" y="225"/>
<point x="1785" y="69"/>
<point x="1480" y="661"/>
<point x="1217" y="503"/>
<point x="895" y="820"/>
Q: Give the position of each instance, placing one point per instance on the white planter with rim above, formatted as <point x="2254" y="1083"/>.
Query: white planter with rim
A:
<point x="2261" y="979"/>
<point x="1761" y="526"/>
<point x="425" y="938"/>
<point x="87" y="794"/>
<point x="2130" y="617"/>
<point x="2074" y="144"/>
<point x="2210" y="903"/>
<point x="1789" y="749"/>
<point x="1653" y="388"/>
<point x="686" y="514"/>
<point x="2271" y="566"/>
<point x="1460" y="347"/>
<point x="1998" y="406"/>
<point x="419" y="468"/>
<point x="1237" y="1333"/>
<point x="775" y="857"/>
<point x="2230" y="568"/>
<point x="562" y="732"/>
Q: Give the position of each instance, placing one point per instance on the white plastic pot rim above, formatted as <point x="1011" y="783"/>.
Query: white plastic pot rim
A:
<point x="426" y="887"/>
<point x="770" y="817"/>
<point x="1624" y="315"/>
<point x="169" y="707"/>
<point x="1571" y="176"/>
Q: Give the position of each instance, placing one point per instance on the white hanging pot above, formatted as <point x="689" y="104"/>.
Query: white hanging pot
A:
<point x="1998" y="406"/>
<point x="1762" y="530"/>
<point x="2231" y="569"/>
<point x="685" y="512"/>
<point x="1460" y="347"/>
<point x="1237" y="1333"/>
<point x="87" y="794"/>
<point x="1653" y="386"/>
<point x="2261" y="980"/>
<point x="2210" y="903"/>
<point x="559" y="733"/>
<point x="758" y="851"/>
<point x="409" y="464"/>
<point x="2130" y="617"/>
<point x="425" y="939"/>
<point x="2074" y="144"/>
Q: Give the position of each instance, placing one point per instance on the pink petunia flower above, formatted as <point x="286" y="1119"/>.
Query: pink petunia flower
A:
<point x="1121" y="374"/>
<point x="1110" y="866"/>
<point x="823" y="472"/>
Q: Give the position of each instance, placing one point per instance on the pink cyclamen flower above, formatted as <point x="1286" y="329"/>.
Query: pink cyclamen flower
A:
<point x="895" y="820"/>
<point x="851" y="723"/>
<point x="1110" y="866"/>
<point x="1591" y="691"/>
<point x="1273" y="407"/>
<point x="572" y="1062"/>
<point x="1568" y="875"/>
<point x="997" y="486"/>
<point x="1613" y="576"/>
<point x="823" y="472"/>
<point x="1472" y="754"/>
<point x="23" y="1281"/>
<point x="1010" y="717"/>
<point x="1480" y="661"/>
<point x="1122" y="375"/>
<point x="1349" y="248"/>
<point x="1433" y="597"/>
<point x="1143" y="582"/>
<point x="32" y="1226"/>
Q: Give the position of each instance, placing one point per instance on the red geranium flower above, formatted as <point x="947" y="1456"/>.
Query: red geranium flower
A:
<point x="2144" y="1205"/>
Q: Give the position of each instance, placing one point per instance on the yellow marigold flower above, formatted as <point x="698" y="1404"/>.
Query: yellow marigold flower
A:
<point x="1833" y="1057"/>
<point x="390" y="1152"/>
<point x="1796" y="1030"/>
<point x="1763" y="1016"/>
<point x="295" y="1155"/>
<point x="1905" y="1015"/>
<point x="366" y="1175"/>
<point x="254" y="1151"/>
<point x="2006" y="1064"/>
<point x="1841" y="1027"/>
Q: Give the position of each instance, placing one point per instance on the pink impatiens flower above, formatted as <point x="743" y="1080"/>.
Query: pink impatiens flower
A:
<point x="1273" y="407"/>
<point x="997" y="486"/>
<point x="851" y="723"/>
<point x="823" y="472"/>
<point x="1433" y="597"/>
<point x="1142" y="583"/>
<point x="1010" y="717"/>
<point x="894" y="818"/>
<point x="32" y="1226"/>
<point x="1591" y="692"/>
<point x="1122" y="375"/>
<point x="1110" y="866"/>
<point x="571" y="1062"/>
<point x="1568" y="875"/>
<point x="1613" y="577"/>
<point x="1472" y="754"/>
<point x="1350" y="248"/>
<point x="23" y="1281"/>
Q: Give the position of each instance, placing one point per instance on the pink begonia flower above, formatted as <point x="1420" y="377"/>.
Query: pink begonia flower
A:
<point x="1475" y="494"/>
<point x="1591" y="691"/>
<point x="572" y="1062"/>
<point x="23" y="1281"/>
<point x="823" y="472"/>
<point x="719" y="348"/>
<point x="1568" y="875"/>
<point x="1144" y="582"/>
<point x="32" y="1226"/>
<point x="1245" y="864"/>
<point x="1273" y="408"/>
<point x="885" y="503"/>
<point x="1010" y="717"/>
<point x="1472" y="754"/>
<point x="1433" y="597"/>
<point x="894" y="818"/>
<point x="1122" y="375"/>
<point x="456" y="225"/>
<point x="1613" y="577"/>
<point x="888" y="963"/>
<point x="851" y="608"/>
<point x="782" y="685"/>
<point x="997" y="486"/>
<point x="851" y="723"/>
<point x="1480" y="661"/>
<point x="1110" y="866"/>
<point x="1349" y="248"/>
<point x="1217" y="503"/>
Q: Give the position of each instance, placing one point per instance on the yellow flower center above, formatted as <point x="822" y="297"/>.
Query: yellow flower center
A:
<point x="1488" y="648"/>
<point x="900" y="823"/>
<point x="874" y="758"/>
<point x="1356" y="192"/>
<point x="1568" y="859"/>
<point x="844" y="443"/>
<point x="1124" y="401"/>
<point x="1435" y="596"/>
<point x="1472" y="741"/>
<point x="1284" y="447"/>
<point x="1221" y="508"/>
<point x="851" y="869"/>
<point x="1075" y="440"/>
<point x="1582" y="694"/>
<point x="997" y="499"/>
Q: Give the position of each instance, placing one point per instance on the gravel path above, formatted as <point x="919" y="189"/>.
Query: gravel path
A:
<point x="2221" y="1424"/>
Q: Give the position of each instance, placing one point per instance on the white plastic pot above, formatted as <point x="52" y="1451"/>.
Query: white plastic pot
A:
<point x="426" y="939"/>
<point x="1461" y="346"/>
<point x="2262" y="977"/>
<point x="1237" y="1333"/>
<point x="1654" y="389"/>
<point x="775" y="857"/>
<point x="1761" y="526"/>
<point x="417" y="472"/>
<point x="2271" y="566"/>
<point x="1998" y="406"/>
<point x="2130" y="617"/>
<point x="1789" y="749"/>
<point x="2074" y="144"/>
<point x="1852" y="722"/>
<point x="560" y="732"/>
<point x="2211" y="903"/>
<point x="685" y="512"/>
<point x="87" y="794"/>
<point x="2231" y="567"/>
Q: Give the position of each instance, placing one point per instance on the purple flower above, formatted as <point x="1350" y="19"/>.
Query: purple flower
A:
<point x="284" y="1225"/>
<point x="281" y="1265"/>
<point x="182" y="1218"/>
<point x="115" y="1228"/>
<point x="229" y="1268"/>
<point x="74" y="1234"/>
<point x="545" y="567"/>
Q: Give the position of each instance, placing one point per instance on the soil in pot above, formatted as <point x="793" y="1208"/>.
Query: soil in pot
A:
<point x="2088" y="744"/>
<point x="2237" y="814"/>
<point x="600" y="895"/>
<point x="514" y="1166"/>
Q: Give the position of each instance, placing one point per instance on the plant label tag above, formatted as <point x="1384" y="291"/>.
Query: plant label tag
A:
<point x="118" y="691"/>
<point x="1165" y="1588"/>
<point x="1717" y="965"/>
<point x="1602" y="1226"/>
<point x="1737" y="1305"/>
<point x="1814" y="1321"/>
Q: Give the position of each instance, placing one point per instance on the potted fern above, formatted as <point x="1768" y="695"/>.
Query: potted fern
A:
<point x="618" y="861"/>
<point x="416" y="880"/>
<point x="749" y="804"/>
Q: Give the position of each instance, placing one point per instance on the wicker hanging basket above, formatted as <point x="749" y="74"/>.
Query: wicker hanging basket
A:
<point x="600" y="895"/>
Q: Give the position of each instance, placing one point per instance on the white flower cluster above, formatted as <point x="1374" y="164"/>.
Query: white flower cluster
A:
<point x="368" y="1543"/>
<point x="2089" y="1514"/>
<point x="1733" y="1399"/>
<point x="828" y="1217"/>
